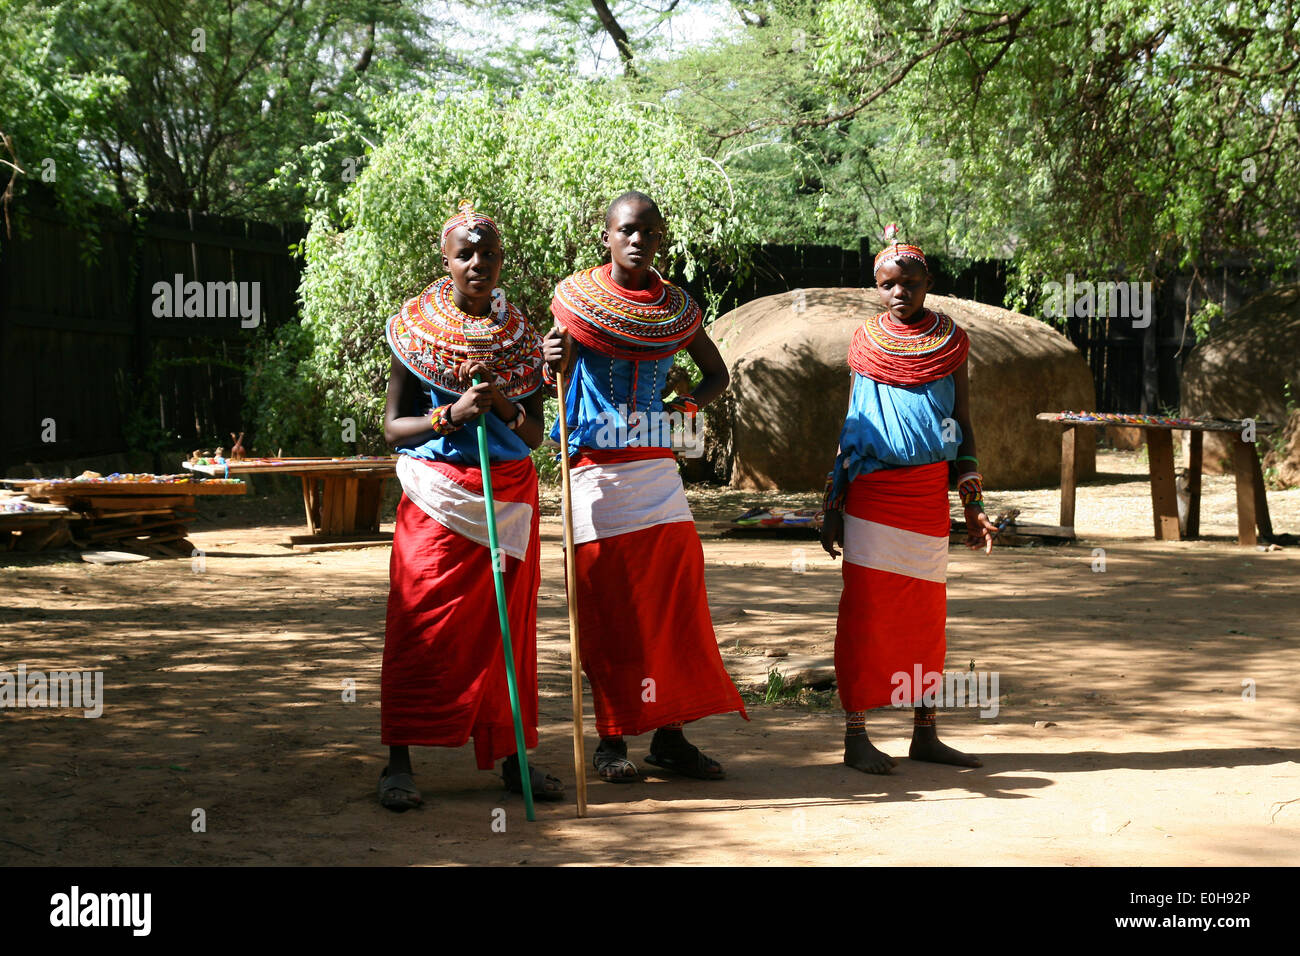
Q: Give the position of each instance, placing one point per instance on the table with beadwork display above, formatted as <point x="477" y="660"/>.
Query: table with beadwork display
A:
<point x="1252" y="503"/>
<point x="341" y="496"/>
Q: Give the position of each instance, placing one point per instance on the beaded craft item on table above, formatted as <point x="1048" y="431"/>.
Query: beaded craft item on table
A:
<point x="650" y="323"/>
<point x="431" y="337"/>
<point x="1120" y="418"/>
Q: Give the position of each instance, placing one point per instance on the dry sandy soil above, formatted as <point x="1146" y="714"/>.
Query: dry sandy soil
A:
<point x="223" y="692"/>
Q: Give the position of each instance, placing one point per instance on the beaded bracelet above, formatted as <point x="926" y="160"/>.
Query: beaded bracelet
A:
<point x="970" y="488"/>
<point x="686" y="404"/>
<point x="519" y="419"/>
<point x="831" y="501"/>
<point x="548" y="376"/>
<point x="440" y="420"/>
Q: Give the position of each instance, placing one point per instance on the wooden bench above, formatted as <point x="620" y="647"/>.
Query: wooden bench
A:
<point x="341" y="497"/>
<point x="1252" y="503"/>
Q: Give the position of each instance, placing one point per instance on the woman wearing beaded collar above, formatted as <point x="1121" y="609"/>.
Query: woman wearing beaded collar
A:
<point x="648" y="645"/>
<point x="887" y="506"/>
<point x="444" y="676"/>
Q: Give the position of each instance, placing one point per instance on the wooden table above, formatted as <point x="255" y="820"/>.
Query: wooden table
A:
<point x="1252" y="503"/>
<point x="148" y="516"/>
<point x="341" y="496"/>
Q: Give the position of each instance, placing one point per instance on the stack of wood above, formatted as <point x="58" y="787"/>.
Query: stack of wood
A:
<point x="143" y="514"/>
<point x="33" y="526"/>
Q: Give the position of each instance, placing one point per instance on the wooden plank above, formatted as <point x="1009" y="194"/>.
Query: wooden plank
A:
<point x="132" y="529"/>
<point x="1242" y="453"/>
<point x="370" y="500"/>
<point x="1262" y="519"/>
<point x="308" y="493"/>
<point x="1069" y="474"/>
<point x="45" y="488"/>
<point x="348" y="491"/>
<point x="18" y="520"/>
<point x="1164" y="491"/>
<point x="1194" y="485"/>
<point x="134" y="502"/>
<point x="331" y="510"/>
<point x="286" y="466"/>
<point x="1198" y="424"/>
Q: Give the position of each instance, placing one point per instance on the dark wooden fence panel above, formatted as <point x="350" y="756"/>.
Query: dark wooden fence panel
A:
<point x="82" y="345"/>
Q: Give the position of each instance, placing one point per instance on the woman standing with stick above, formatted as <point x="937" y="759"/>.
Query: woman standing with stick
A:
<point x="647" y="641"/>
<point x="444" y="674"/>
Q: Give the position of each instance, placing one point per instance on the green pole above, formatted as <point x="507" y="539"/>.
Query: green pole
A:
<point x="498" y="578"/>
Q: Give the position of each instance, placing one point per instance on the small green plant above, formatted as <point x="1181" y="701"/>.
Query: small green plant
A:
<point x="778" y="686"/>
<point x="1204" y="318"/>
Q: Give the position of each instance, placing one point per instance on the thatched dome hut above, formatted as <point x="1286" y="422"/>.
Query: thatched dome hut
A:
<point x="1243" y="370"/>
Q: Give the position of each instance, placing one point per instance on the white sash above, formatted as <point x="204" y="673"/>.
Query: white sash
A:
<point x="616" y="499"/>
<point x="458" y="509"/>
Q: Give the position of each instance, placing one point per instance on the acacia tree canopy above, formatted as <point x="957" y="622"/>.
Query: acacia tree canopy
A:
<point x="189" y="105"/>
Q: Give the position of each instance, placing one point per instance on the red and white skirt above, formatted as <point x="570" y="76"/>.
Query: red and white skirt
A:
<point x="894" y="607"/>
<point x="648" y="644"/>
<point x="444" y="673"/>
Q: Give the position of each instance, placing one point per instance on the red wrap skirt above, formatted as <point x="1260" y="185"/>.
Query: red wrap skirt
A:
<point x="893" y="610"/>
<point x="648" y="644"/>
<point x="444" y="674"/>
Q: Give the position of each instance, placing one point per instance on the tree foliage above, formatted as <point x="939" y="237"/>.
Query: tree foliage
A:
<point x="189" y="105"/>
<point x="1114" y="137"/>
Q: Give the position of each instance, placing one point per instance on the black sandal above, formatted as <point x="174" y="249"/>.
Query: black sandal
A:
<point x="675" y="754"/>
<point x="538" y="779"/>
<point x="397" y="792"/>
<point x="610" y="760"/>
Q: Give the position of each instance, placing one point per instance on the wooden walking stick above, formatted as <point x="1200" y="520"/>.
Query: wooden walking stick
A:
<point x="571" y="588"/>
<point x="498" y="578"/>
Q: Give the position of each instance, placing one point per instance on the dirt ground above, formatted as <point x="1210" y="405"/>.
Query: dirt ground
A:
<point x="223" y="692"/>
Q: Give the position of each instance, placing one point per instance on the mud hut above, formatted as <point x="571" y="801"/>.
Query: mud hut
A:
<point x="1245" y="370"/>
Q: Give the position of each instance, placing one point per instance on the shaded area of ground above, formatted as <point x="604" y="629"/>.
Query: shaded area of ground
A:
<point x="224" y="692"/>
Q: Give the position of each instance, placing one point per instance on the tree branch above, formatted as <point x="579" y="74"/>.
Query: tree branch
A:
<point x="616" y="32"/>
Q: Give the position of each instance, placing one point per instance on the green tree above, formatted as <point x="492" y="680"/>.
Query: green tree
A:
<point x="45" y="109"/>
<point x="187" y="105"/>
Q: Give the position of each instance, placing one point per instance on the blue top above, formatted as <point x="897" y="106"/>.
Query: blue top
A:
<point x="891" y="427"/>
<point x="599" y="399"/>
<point x="461" y="446"/>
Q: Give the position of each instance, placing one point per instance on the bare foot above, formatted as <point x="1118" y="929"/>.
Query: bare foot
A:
<point x="861" y="755"/>
<point x="927" y="747"/>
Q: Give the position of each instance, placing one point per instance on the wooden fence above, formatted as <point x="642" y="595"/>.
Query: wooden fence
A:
<point x="95" y="358"/>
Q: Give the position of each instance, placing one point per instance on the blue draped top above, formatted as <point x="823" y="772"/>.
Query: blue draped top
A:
<point x="600" y="397"/>
<point x="894" y="427"/>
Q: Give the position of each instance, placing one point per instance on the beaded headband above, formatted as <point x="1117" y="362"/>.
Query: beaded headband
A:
<point x="898" y="250"/>
<point x="471" y="220"/>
